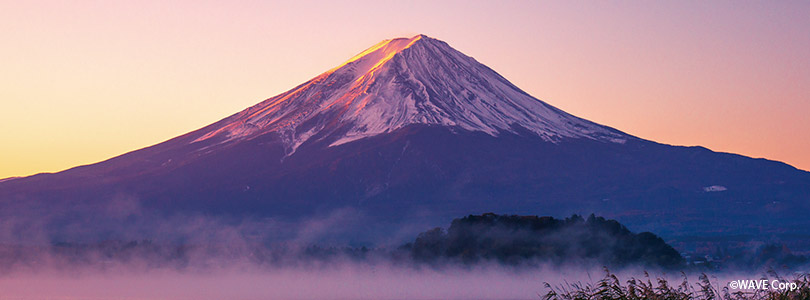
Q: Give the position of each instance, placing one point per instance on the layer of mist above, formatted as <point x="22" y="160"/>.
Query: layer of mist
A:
<point x="121" y="251"/>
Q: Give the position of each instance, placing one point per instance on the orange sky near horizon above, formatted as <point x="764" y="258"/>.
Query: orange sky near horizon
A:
<point x="83" y="81"/>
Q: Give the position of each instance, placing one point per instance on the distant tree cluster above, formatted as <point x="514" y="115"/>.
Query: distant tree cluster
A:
<point x="516" y="240"/>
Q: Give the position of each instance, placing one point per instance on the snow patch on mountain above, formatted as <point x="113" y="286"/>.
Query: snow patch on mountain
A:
<point x="714" y="188"/>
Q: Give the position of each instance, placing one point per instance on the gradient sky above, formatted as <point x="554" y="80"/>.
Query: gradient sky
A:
<point x="83" y="81"/>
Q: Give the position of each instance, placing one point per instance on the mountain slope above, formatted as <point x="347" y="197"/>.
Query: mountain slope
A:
<point x="401" y="82"/>
<point x="412" y="129"/>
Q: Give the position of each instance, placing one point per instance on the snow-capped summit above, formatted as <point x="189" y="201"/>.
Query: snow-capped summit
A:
<point x="403" y="81"/>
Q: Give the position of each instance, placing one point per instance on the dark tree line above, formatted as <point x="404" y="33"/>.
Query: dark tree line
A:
<point x="516" y="240"/>
<point x="489" y="238"/>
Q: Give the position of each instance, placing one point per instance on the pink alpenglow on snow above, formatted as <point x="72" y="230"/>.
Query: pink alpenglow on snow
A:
<point x="398" y="82"/>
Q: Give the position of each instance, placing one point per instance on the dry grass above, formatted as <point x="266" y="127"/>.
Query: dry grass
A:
<point x="647" y="288"/>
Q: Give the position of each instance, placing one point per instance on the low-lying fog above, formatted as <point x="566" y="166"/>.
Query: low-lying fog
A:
<point x="338" y="281"/>
<point x="123" y="252"/>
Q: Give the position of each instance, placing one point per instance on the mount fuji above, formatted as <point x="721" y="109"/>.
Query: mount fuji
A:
<point x="412" y="129"/>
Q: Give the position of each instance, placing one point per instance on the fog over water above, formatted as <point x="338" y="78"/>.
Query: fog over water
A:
<point x="340" y="282"/>
<point x="124" y="252"/>
<point x="336" y="281"/>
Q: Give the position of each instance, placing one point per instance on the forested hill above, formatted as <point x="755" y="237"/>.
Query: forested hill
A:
<point x="516" y="240"/>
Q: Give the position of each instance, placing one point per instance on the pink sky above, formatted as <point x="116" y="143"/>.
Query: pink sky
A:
<point x="83" y="81"/>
